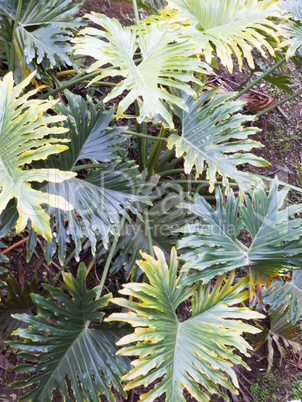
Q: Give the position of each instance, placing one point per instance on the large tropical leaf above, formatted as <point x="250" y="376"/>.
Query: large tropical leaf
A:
<point x="288" y="295"/>
<point x="228" y="27"/>
<point x="100" y="200"/>
<point x="294" y="26"/>
<point x="274" y="236"/>
<point x="64" y="345"/>
<point x="23" y="131"/>
<point x="44" y="29"/>
<point x="164" y="62"/>
<point x="213" y="134"/>
<point x="189" y="354"/>
<point x="104" y="196"/>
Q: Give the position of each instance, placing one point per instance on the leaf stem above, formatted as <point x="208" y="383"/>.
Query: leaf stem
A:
<point x="173" y="163"/>
<point x="102" y="83"/>
<point x="153" y="159"/>
<point x="141" y="160"/>
<point x="87" y="166"/>
<point x="135" y="11"/>
<point x="7" y="51"/>
<point x="145" y="141"/>
<point x="279" y="103"/>
<point x="72" y="72"/>
<point x="54" y="77"/>
<point x="206" y="182"/>
<point x="67" y="261"/>
<point x="148" y="232"/>
<point x="253" y="83"/>
<point x="167" y="154"/>
<point x="149" y="137"/>
<point x="166" y="173"/>
<point x="74" y="81"/>
<point x="108" y="262"/>
<point x="11" y="61"/>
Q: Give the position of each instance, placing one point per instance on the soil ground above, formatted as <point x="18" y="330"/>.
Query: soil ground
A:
<point x="281" y="137"/>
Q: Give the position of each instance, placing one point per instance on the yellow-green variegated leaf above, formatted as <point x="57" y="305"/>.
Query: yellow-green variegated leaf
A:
<point x="25" y="136"/>
<point x="183" y="354"/>
<point x="168" y="60"/>
<point x="228" y="26"/>
<point x="216" y="245"/>
<point x="215" y="139"/>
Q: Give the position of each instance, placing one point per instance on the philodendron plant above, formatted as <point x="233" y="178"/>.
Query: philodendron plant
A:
<point x="152" y="176"/>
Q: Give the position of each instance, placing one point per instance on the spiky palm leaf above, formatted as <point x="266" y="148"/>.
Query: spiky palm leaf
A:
<point x="288" y="295"/>
<point x="64" y="346"/>
<point x="189" y="354"/>
<point x="165" y="63"/>
<point x="43" y="31"/>
<point x="294" y="26"/>
<point x="213" y="134"/>
<point x="228" y="27"/>
<point x="275" y="236"/>
<point x="23" y="131"/>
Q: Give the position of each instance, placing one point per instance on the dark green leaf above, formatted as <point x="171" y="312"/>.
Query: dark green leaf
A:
<point x="64" y="346"/>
